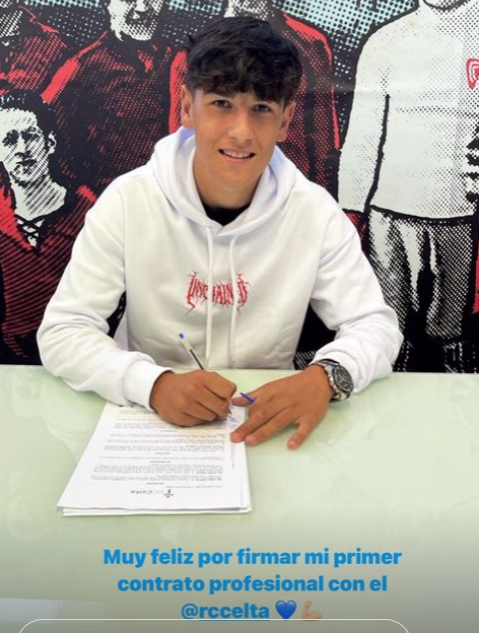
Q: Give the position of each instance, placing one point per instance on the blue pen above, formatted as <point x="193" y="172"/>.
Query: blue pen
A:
<point x="189" y="348"/>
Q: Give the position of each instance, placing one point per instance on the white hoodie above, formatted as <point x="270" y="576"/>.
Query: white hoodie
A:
<point x="148" y="234"/>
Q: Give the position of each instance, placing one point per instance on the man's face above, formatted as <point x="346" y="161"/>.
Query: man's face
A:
<point x="445" y="4"/>
<point x="136" y="19"/>
<point x="24" y="149"/>
<point x="235" y="138"/>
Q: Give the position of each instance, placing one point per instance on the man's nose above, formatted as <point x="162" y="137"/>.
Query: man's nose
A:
<point x="240" y="128"/>
<point x="21" y="145"/>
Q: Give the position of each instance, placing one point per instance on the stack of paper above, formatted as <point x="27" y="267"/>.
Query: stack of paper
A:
<point x="136" y="463"/>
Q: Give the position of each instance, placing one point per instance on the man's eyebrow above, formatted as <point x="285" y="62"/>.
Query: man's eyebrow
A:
<point x="31" y="128"/>
<point x="220" y="93"/>
<point x="229" y="95"/>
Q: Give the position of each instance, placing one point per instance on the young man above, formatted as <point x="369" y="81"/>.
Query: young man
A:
<point x="221" y="237"/>
<point x="40" y="217"/>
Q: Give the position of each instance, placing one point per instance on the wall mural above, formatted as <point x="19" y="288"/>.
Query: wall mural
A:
<point x="386" y="119"/>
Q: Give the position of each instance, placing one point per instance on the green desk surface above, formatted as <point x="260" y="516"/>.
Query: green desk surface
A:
<point x="394" y="469"/>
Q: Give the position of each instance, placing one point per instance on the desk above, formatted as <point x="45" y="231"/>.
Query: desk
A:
<point x="395" y="469"/>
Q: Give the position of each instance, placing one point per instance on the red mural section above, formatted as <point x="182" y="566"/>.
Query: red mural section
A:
<point x="111" y="103"/>
<point x="29" y="52"/>
<point x="33" y="260"/>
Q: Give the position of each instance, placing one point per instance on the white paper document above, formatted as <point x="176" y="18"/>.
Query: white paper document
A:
<point x="136" y="463"/>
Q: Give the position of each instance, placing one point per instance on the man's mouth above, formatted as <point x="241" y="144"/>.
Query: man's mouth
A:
<point x="235" y="154"/>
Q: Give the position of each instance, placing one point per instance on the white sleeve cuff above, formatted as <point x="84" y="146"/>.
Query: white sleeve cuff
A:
<point x="343" y="359"/>
<point x="139" y="380"/>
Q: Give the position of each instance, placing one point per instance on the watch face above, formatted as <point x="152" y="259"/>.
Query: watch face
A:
<point x="342" y="378"/>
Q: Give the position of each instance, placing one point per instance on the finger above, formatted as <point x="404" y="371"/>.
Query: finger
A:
<point x="258" y="399"/>
<point x="255" y="419"/>
<point x="264" y="408"/>
<point x="219" y="406"/>
<point x="219" y="386"/>
<point x="198" y="393"/>
<point x="306" y="607"/>
<point x="270" y="427"/>
<point x="240" y="433"/>
<point x="199" y="412"/>
<point x="303" y="431"/>
<point x="251" y="398"/>
<point x="243" y="401"/>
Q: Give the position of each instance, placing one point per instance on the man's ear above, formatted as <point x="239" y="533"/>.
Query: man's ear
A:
<point x="51" y="143"/>
<point x="186" y="107"/>
<point x="286" y="120"/>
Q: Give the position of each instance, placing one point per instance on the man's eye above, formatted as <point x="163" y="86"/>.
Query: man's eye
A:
<point x="221" y="103"/>
<point x="31" y="136"/>
<point x="262" y="107"/>
<point x="9" y="140"/>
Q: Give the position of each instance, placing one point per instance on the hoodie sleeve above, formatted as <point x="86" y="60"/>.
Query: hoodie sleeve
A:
<point x="348" y="298"/>
<point x="72" y="338"/>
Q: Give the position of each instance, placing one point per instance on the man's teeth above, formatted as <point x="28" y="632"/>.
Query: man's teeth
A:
<point x="228" y="152"/>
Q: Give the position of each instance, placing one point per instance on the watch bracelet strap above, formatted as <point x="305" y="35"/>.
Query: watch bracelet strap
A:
<point x="338" y="395"/>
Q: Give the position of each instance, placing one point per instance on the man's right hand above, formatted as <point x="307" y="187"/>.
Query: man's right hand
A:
<point x="192" y="398"/>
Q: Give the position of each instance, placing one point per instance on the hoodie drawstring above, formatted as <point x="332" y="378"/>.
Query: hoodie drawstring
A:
<point x="235" y="301"/>
<point x="209" y="297"/>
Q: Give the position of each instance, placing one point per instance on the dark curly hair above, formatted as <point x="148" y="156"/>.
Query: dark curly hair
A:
<point x="243" y="54"/>
<point x="30" y="102"/>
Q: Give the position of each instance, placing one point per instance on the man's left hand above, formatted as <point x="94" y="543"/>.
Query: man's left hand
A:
<point x="301" y="399"/>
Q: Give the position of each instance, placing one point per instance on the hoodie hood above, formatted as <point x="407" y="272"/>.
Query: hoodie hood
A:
<point x="172" y="166"/>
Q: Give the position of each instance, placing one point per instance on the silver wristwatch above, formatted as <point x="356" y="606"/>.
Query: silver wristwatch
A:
<point x="339" y="378"/>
